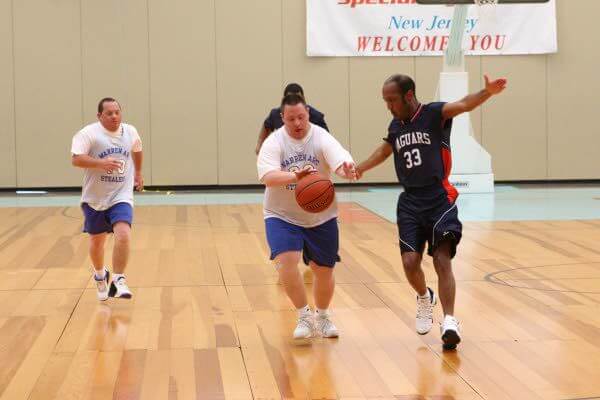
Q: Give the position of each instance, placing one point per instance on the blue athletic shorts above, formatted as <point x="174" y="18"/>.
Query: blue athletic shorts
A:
<point x="319" y="244"/>
<point x="102" y="221"/>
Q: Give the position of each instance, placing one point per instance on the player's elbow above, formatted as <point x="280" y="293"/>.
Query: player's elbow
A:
<point x="75" y="161"/>
<point x="270" y="182"/>
<point x="266" y="180"/>
<point x="383" y="155"/>
<point x="469" y="108"/>
<point x="466" y="106"/>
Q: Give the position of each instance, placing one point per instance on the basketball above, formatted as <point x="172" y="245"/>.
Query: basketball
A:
<point x="315" y="193"/>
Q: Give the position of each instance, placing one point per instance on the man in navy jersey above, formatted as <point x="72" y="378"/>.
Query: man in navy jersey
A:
<point x="274" y="120"/>
<point x="419" y="137"/>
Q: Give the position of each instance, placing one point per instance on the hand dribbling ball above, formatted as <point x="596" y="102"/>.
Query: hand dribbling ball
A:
<point x="315" y="193"/>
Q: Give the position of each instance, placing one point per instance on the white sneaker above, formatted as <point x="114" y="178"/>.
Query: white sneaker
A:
<point x="450" y="332"/>
<point x="325" y="326"/>
<point x="424" y="321"/>
<point x="306" y="327"/>
<point x="120" y="289"/>
<point x="102" y="286"/>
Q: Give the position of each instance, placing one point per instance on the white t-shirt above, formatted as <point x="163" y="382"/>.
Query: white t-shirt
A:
<point x="102" y="190"/>
<point x="281" y="152"/>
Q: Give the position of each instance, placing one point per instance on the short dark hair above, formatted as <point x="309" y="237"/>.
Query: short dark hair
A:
<point x="292" y="99"/>
<point x="106" y="100"/>
<point x="293" y="88"/>
<point x="403" y="82"/>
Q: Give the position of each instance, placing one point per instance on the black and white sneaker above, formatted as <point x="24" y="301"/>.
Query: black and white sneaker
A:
<point x="450" y="332"/>
<point x="119" y="289"/>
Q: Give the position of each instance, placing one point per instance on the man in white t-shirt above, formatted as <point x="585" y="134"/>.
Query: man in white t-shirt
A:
<point x="288" y="154"/>
<point x="110" y="152"/>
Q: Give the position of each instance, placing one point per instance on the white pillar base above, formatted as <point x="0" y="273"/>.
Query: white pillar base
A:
<point x="473" y="183"/>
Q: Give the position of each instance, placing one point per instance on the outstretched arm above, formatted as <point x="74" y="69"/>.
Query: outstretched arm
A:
<point x="474" y="100"/>
<point x="379" y="155"/>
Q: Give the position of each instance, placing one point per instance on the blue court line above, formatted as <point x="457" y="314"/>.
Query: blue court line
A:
<point x="508" y="203"/>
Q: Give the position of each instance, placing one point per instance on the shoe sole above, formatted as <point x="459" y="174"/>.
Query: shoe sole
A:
<point x="302" y="341"/>
<point x="125" y="296"/>
<point x="450" y="339"/>
<point x="303" y="337"/>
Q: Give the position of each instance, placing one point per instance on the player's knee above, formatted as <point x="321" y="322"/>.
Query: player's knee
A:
<point x="122" y="233"/>
<point x="287" y="259"/>
<point x="443" y="253"/>
<point x="442" y="262"/>
<point x="442" y="267"/>
<point x="441" y="257"/>
<point x="122" y="238"/>
<point x="321" y="271"/>
<point x="97" y="241"/>
<point x="411" y="261"/>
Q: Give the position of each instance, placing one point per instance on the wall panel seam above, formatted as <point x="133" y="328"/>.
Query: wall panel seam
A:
<point x="217" y="119"/>
<point x="14" y="92"/>
<point x="150" y="113"/>
<point x="547" y="119"/>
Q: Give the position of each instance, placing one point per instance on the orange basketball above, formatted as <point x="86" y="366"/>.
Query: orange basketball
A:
<point x="314" y="193"/>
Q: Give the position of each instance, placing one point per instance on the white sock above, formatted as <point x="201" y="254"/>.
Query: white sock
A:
<point x="100" y="275"/>
<point x="116" y="277"/>
<point x="323" y="312"/>
<point x="426" y="296"/>
<point x="302" y="311"/>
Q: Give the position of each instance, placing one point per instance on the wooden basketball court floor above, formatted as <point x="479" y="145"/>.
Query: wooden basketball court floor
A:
<point x="209" y="321"/>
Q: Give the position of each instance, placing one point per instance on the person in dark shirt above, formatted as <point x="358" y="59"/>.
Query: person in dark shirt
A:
<point x="274" y="120"/>
<point x="419" y="138"/>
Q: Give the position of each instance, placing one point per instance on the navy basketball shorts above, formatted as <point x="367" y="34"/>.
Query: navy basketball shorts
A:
<point x="427" y="220"/>
<point x="97" y="222"/>
<point x="319" y="244"/>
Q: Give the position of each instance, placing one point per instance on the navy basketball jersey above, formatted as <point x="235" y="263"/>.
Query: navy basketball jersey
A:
<point x="422" y="149"/>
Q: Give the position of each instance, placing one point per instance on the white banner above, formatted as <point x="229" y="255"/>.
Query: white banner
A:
<point x="404" y="28"/>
